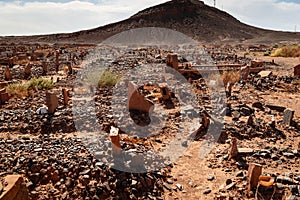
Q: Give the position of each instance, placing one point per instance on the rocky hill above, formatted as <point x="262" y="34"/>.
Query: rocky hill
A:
<point x="191" y="17"/>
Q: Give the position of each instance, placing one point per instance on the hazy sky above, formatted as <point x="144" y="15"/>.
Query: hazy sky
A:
<point x="25" y="17"/>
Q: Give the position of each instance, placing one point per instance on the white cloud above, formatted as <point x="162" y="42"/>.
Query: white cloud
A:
<point x="25" y="17"/>
<point x="269" y="14"/>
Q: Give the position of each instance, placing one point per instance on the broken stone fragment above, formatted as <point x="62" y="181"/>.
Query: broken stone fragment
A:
<point x="115" y="140"/>
<point x="136" y="101"/>
<point x="51" y="102"/>
<point x="288" y="115"/>
<point x="254" y="171"/>
<point x="245" y="71"/>
<point x="265" y="74"/>
<point x="172" y="60"/>
<point x="65" y="93"/>
<point x="27" y="71"/>
<point x="234" y="149"/>
<point x="15" y="188"/>
<point x="245" y="150"/>
<point x="7" y="74"/>
<point x="297" y="71"/>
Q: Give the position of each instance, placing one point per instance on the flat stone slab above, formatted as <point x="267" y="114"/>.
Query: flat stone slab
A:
<point x="265" y="74"/>
<point x="245" y="150"/>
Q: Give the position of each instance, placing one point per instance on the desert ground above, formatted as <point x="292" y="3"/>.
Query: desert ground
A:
<point x="60" y="137"/>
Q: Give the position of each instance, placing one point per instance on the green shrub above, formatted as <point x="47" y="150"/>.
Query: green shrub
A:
<point x="40" y="83"/>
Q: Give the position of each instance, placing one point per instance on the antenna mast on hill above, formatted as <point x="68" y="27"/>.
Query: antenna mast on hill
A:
<point x="215" y="3"/>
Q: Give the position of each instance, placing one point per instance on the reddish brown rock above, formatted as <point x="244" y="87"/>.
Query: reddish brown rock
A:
<point x="15" y="188"/>
<point x="65" y="94"/>
<point x="7" y="74"/>
<point x="297" y="71"/>
<point x="27" y="70"/>
<point x="254" y="171"/>
<point x="172" y="60"/>
<point x="51" y="102"/>
<point x="136" y="101"/>
<point x="245" y="71"/>
<point x="234" y="149"/>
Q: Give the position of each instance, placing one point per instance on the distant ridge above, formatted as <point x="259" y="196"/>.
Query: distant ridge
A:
<point x="191" y="17"/>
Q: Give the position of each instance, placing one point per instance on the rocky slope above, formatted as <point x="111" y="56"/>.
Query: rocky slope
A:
<point x="191" y="17"/>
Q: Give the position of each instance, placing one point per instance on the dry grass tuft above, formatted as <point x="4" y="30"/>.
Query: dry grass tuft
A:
<point x="287" y="51"/>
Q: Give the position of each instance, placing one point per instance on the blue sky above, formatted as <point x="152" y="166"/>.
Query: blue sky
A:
<point x="26" y="17"/>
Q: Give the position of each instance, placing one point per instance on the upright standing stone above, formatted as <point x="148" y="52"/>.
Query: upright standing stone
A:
<point x="288" y="115"/>
<point x="70" y="70"/>
<point x="4" y="97"/>
<point x="115" y="140"/>
<point x="172" y="60"/>
<point x="27" y="71"/>
<point x="7" y="74"/>
<point x="254" y="171"/>
<point x="51" y="102"/>
<point x="65" y="94"/>
<point x="57" y="60"/>
<point x="297" y="71"/>
<point x="234" y="149"/>
<point x="45" y="68"/>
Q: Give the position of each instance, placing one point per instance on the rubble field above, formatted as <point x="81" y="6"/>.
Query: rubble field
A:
<point x="63" y="136"/>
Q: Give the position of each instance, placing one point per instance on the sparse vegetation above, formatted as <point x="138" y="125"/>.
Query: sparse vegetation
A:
<point x="40" y="83"/>
<point x="231" y="76"/>
<point x="17" y="90"/>
<point x="108" y="78"/>
<point x="287" y="51"/>
<point x="267" y="53"/>
<point x="24" y="89"/>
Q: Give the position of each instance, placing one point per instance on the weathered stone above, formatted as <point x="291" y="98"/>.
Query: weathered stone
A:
<point x="27" y="71"/>
<point x="265" y="74"/>
<point x="136" y="101"/>
<point x="277" y="108"/>
<point x="7" y="74"/>
<point x="65" y="94"/>
<point x="245" y="151"/>
<point x="172" y="60"/>
<point x="254" y="171"/>
<point x="207" y="191"/>
<point x="115" y="139"/>
<point x="288" y="115"/>
<point x="297" y="71"/>
<point x="245" y="71"/>
<point x="234" y="149"/>
<point x="258" y="105"/>
<point x="45" y="68"/>
<point x="4" y="97"/>
<point x="51" y="102"/>
<point x="15" y="188"/>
